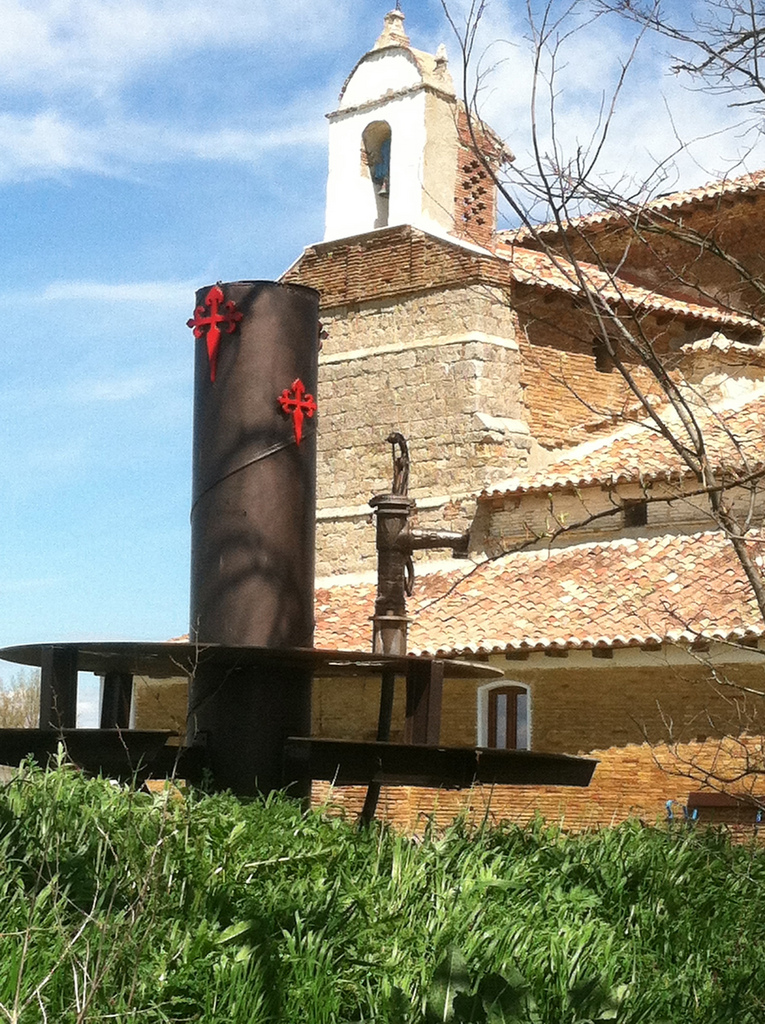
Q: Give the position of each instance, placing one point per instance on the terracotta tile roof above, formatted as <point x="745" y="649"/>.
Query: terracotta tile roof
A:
<point x="733" y="433"/>
<point x="742" y="185"/>
<point x="344" y="612"/>
<point x="543" y="271"/>
<point x="621" y="593"/>
<point x="402" y="260"/>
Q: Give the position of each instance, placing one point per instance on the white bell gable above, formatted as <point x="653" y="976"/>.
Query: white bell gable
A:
<point x="393" y="146"/>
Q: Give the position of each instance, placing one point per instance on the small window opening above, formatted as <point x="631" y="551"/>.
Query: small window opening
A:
<point x="603" y="361"/>
<point x="376" y="141"/>
<point x="508" y="713"/>
<point x="635" y="512"/>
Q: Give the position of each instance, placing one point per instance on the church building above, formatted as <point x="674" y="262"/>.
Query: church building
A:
<point x="597" y="579"/>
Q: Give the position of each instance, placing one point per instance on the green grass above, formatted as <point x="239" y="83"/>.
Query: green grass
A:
<point x="117" y="906"/>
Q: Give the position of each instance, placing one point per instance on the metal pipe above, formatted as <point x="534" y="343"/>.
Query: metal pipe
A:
<point x="418" y="540"/>
<point x="389" y="619"/>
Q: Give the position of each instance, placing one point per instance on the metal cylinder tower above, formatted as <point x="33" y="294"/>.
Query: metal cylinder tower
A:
<point x="252" y="519"/>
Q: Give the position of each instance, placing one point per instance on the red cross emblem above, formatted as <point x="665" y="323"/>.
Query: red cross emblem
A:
<point x="228" y="317"/>
<point x="297" y="404"/>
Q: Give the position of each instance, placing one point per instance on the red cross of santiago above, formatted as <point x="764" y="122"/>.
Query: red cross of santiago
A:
<point x="228" y="317"/>
<point x="297" y="404"/>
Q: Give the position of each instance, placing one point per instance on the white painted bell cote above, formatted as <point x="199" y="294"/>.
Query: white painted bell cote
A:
<point x="393" y="146"/>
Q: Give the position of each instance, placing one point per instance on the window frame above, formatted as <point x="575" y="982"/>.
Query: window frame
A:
<point x="487" y="696"/>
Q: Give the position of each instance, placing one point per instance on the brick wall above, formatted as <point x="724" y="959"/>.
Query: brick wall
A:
<point x="160" y="704"/>
<point x="665" y="250"/>
<point x="575" y="706"/>
<point x="389" y="263"/>
<point x="475" y="201"/>
<point x="565" y="396"/>
<point x="578" y="710"/>
<point x="632" y="781"/>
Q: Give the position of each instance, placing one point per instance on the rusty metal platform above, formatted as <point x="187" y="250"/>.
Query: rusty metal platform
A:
<point x="348" y="763"/>
<point x="120" y="751"/>
<point x="114" y="752"/>
<point x="170" y="659"/>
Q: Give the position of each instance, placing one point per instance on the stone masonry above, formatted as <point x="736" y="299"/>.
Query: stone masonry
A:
<point x="443" y="368"/>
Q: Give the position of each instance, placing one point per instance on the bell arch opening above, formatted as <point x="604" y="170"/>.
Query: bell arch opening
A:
<point x="375" y="155"/>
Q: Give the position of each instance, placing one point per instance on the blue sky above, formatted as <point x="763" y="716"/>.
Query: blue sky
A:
<point x="149" y="147"/>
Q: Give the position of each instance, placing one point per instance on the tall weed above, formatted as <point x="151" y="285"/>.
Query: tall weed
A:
<point x="119" y="906"/>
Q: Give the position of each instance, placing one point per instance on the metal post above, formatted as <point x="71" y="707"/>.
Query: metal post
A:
<point x="58" y="688"/>
<point x="384" y="721"/>
<point x="389" y="620"/>
<point x="424" y="690"/>
<point x="396" y="541"/>
<point x="116" y="699"/>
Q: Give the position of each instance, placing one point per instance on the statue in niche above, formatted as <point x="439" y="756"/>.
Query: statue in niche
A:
<point x="381" y="168"/>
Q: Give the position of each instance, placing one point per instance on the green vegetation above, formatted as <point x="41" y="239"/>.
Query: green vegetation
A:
<point x="119" y="906"/>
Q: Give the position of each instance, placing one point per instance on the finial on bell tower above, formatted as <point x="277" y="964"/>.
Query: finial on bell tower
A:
<point x="393" y="33"/>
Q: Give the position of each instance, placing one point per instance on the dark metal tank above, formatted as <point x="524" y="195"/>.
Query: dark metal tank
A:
<point x="252" y="520"/>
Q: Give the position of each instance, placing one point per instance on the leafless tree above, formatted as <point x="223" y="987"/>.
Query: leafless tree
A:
<point x="719" y="46"/>
<point x="20" y="700"/>
<point x="547" y="195"/>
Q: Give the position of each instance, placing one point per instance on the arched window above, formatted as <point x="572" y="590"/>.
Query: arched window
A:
<point x="376" y="142"/>
<point x="504" y="716"/>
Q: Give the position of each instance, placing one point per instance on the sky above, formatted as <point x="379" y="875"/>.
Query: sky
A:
<point x="150" y="147"/>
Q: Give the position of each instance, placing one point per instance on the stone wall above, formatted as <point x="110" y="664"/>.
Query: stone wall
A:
<point x="502" y="522"/>
<point x="426" y="314"/>
<point x="434" y="394"/>
<point x="443" y="369"/>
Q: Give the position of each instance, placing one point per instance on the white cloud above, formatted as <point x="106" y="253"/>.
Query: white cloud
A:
<point x="66" y="68"/>
<point x="248" y="146"/>
<point x="49" y="144"/>
<point x="47" y="46"/>
<point x="44" y="143"/>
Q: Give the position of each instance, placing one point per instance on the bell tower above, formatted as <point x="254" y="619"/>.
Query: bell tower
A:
<point x="393" y="141"/>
